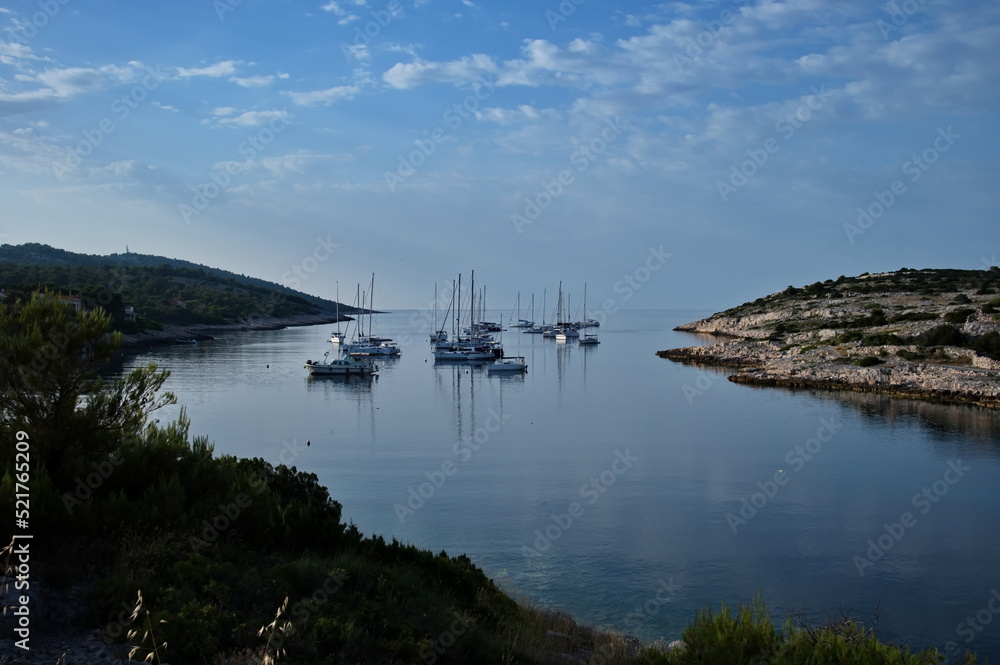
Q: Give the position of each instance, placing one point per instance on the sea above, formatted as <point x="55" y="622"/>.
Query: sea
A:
<point x="628" y="490"/>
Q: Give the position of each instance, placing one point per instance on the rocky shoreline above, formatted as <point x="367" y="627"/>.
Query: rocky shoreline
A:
<point x="170" y="334"/>
<point x="879" y="342"/>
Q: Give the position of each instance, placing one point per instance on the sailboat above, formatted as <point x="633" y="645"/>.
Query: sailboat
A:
<point x="370" y="345"/>
<point x="534" y="328"/>
<point x="477" y="345"/>
<point x="439" y="334"/>
<point x="337" y="337"/>
<point x="564" y="330"/>
<point x="523" y="323"/>
<point x="587" y="339"/>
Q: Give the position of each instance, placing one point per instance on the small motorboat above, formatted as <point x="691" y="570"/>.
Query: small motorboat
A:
<point x="348" y="365"/>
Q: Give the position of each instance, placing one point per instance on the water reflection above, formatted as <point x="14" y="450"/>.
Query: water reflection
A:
<point x="943" y="422"/>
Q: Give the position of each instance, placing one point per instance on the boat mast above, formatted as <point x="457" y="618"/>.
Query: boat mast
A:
<point x="559" y="306"/>
<point x="371" y="301"/>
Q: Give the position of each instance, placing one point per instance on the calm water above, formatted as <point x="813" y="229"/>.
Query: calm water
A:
<point x="634" y="471"/>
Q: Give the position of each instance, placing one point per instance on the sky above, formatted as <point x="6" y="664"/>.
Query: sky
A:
<point x="684" y="155"/>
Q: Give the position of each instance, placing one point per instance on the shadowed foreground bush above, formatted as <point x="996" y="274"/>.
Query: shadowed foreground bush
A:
<point x="748" y="637"/>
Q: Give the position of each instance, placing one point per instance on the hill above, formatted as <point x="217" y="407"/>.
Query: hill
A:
<point x="154" y="297"/>
<point x="931" y="333"/>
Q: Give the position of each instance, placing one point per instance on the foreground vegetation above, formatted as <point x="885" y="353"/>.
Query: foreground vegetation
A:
<point x="196" y="558"/>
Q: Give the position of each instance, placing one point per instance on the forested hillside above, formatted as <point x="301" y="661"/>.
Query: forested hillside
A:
<point x="159" y="290"/>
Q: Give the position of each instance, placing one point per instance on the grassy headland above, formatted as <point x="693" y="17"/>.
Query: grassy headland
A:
<point x="914" y="333"/>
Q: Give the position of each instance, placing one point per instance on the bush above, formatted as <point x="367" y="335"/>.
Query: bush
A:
<point x="958" y="316"/>
<point x="943" y="335"/>
<point x="883" y="339"/>
<point x="749" y="638"/>
<point x="868" y="361"/>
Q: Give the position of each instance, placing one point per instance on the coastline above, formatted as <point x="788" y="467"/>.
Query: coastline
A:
<point x="889" y="333"/>
<point x="765" y="364"/>
<point x="203" y="331"/>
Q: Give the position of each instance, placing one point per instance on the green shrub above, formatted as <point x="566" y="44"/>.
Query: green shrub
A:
<point x="958" y="316"/>
<point x="914" y="316"/>
<point x="868" y="361"/>
<point x="749" y="637"/>
<point x="943" y="335"/>
<point x="883" y="339"/>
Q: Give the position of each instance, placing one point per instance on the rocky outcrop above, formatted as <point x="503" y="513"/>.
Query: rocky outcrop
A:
<point x="831" y="339"/>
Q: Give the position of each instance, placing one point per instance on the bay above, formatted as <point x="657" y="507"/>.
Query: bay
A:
<point x="609" y="483"/>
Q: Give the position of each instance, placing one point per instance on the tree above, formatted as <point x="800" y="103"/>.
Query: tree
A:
<point x="50" y="387"/>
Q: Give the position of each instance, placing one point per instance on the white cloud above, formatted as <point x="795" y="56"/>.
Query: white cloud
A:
<point x="254" y="118"/>
<point x="522" y="113"/>
<point x="464" y="70"/>
<point x="122" y="168"/>
<point x="253" y="81"/>
<point x="218" y="70"/>
<point x="324" y="97"/>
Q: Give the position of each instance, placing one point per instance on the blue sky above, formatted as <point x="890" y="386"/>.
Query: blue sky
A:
<point x="677" y="155"/>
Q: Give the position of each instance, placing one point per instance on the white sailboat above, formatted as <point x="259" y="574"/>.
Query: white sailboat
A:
<point x="370" y="345"/>
<point x="587" y="339"/>
<point x="524" y="323"/>
<point x="337" y="337"/>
